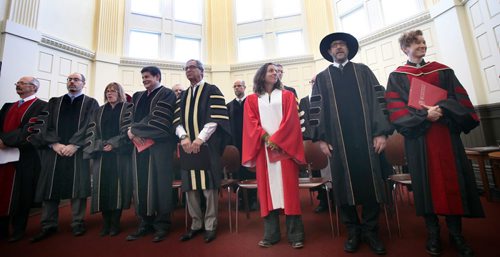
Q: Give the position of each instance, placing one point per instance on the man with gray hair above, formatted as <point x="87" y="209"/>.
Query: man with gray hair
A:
<point x="201" y="121"/>
<point x="18" y="177"/>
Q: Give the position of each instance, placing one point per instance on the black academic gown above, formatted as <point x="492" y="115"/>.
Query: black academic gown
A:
<point x="152" y="169"/>
<point x="64" y="122"/>
<point x="211" y="108"/>
<point x="28" y="166"/>
<point x="111" y="171"/>
<point x="453" y="188"/>
<point x="345" y="113"/>
<point x="235" y="110"/>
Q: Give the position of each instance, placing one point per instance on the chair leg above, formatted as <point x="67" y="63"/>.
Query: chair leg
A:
<point x="186" y="212"/>
<point x="387" y="221"/>
<point x="229" y="208"/>
<point x="329" y="208"/>
<point x="237" y="205"/>
<point x="395" y="197"/>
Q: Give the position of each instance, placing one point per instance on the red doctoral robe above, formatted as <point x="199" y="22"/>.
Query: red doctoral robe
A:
<point x="287" y="137"/>
<point x="8" y="170"/>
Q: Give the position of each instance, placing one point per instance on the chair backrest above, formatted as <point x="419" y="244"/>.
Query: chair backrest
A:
<point x="314" y="156"/>
<point x="395" y="150"/>
<point x="231" y="159"/>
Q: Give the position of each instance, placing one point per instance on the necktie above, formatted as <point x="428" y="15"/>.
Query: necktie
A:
<point x="20" y="102"/>
<point x="341" y="67"/>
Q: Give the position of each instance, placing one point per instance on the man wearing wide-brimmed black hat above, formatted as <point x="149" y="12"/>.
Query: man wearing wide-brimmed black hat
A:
<point x="351" y="128"/>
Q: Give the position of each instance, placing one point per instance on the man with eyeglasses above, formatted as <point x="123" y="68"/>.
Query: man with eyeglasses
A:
<point x="351" y="127"/>
<point x="153" y="167"/>
<point x="18" y="176"/>
<point x="64" y="174"/>
<point x="202" y="119"/>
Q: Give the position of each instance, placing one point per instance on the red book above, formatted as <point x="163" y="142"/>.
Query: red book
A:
<point x="424" y="93"/>
<point x="148" y="142"/>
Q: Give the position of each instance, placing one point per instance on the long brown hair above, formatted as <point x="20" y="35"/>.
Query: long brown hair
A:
<point x="259" y="80"/>
<point x="119" y="90"/>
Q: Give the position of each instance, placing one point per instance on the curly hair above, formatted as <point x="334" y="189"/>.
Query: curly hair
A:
<point x="409" y="37"/>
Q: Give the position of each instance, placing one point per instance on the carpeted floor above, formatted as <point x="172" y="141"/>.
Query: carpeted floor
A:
<point x="480" y="233"/>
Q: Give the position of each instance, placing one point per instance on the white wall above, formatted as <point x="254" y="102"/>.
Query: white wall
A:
<point x="71" y="21"/>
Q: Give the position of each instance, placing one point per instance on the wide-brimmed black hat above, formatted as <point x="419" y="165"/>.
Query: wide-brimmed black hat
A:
<point x="351" y="41"/>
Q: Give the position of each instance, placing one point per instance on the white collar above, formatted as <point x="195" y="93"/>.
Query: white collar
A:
<point x="336" y="64"/>
<point x="28" y="98"/>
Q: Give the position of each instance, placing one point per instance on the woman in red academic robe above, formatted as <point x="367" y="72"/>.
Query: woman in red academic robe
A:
<point x="272" y="142"/>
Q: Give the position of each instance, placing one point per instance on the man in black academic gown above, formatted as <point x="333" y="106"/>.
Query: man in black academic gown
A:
<point x="18" y="178"/>
<point x="351" y="127"/>
<point x="235" y="109"/>
<point x="202" y="119"/>
<point x="153" y="167"/>
<point x="64" y="174"/>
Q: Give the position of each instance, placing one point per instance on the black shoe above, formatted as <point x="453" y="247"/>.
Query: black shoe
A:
<point x="45" y="233"/>
<point x="459" y="243"/>
<point x="104" y="232"/>
<point x="159" y="236"/>
<point x="139" y="233"/>
<point x="210" y="235"/>
<point x="114" y="231"/>
<point x="433" y="245"/>
<point x="321" y="208"/>
<point x="352" y="243"/>
<point x="375" y="243"/>
<point x="16" y="237"/>
<point x="190" y="234"/>
<point x="79" y="230"/>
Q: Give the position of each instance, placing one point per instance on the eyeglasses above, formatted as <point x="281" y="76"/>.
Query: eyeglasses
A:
<point x="73" y="79"/>
<point x="23" y="83"/>
<point x="190" y="67"/>
<point x="111" y="91"/>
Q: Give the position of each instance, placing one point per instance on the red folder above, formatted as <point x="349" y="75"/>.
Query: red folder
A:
<point x="148" y="142"/>
<point x="424" y="93"/>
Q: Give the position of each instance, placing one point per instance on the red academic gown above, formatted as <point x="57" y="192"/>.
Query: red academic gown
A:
<point x="442" y="177"/>
<point x="288" y="138"/>
<point x="8" y="170"/>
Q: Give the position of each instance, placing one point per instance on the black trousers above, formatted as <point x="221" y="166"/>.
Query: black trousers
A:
<point x="369" y="218"/>
<point x="294" y="227"/>
<point x="454" y="223"/>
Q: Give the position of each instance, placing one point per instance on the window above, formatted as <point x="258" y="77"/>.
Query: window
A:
<point x="286" y="7"/>
<point x="290" y="43"/>
<point x="250" y="49"/>
<point x="355" y="22"/>
<point x="187" y="48"/>
<point x="149" y="7"/>
<point x="143" y="44"/>
<point x="247" y="10"/>
<point x="397" y="10"/>
<point x="188" y="10"/>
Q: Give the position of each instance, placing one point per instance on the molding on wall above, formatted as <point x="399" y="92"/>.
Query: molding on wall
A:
<point x="66" y="47"/>
<point x="283" y="61"/>
<point x="399" y="28"/>
<point x="132" y="62"/>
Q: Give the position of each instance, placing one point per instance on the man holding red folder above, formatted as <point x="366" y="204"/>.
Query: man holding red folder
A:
<point x="442" y="177"/>
<point x="151" y="133"/>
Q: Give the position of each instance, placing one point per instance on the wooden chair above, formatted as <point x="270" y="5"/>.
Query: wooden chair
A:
<point x="231" y="164"/>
